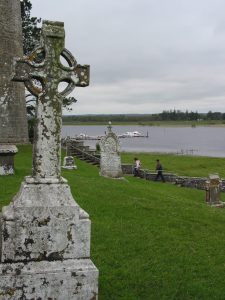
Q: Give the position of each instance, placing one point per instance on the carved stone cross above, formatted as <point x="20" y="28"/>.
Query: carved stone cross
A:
<point x="44" y="66"/>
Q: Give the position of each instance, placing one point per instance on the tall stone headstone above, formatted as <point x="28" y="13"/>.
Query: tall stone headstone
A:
<point x="110" y="162"/>
<point x="45" y="234"/>
<point x="13" y="120"/>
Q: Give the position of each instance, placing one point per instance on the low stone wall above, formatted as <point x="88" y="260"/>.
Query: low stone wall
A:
<point x="183" y="181"/>
<point x="151" y="175"/>
<point x="192" y="182"/>
<point x="127" y="169"/>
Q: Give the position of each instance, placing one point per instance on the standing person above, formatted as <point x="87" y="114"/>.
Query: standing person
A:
<point x="159" y="170"/>
<point x="137" y="166"/>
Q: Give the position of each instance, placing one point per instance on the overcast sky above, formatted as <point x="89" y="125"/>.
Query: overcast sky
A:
<point x="146" y="56"/>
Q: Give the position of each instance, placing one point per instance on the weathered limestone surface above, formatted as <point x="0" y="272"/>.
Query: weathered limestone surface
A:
<point x="45" y="245"/>
<point x="59" y="280"/>
<point x="44" y="234"/>
<point x="13" y="121"/>
<point x="110" y="162"/>
<point x="43" y="222"/>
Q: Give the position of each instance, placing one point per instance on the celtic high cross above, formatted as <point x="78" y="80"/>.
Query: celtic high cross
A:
<point x="44" y="66"/>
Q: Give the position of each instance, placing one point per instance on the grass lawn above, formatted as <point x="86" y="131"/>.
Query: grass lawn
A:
<point x="149" y="240"/>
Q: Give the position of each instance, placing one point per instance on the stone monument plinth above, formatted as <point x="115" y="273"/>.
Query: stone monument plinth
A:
<point x="7" y="153"/>
<point x="44" y="233"/>
<point x="110" y="161"/>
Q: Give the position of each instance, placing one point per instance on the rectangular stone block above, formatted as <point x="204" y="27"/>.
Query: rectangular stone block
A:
<point x="68" y="280"/>
<point x="37" y="231"/>
<point x="45" y="238"/>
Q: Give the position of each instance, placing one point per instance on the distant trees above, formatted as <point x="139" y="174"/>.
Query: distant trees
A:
<point x="177" y="115"/>
<point x="215" y="115"/>
<point x="174" y="115"/>
<point x="170" y="115"/>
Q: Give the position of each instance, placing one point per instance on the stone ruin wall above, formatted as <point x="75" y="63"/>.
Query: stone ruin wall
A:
<point x="13" y="121"/>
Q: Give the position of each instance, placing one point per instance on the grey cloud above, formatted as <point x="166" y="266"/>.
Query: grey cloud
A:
<point x="157" y="51"/>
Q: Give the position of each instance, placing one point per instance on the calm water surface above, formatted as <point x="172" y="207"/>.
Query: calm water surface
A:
<point x="204" y="141"/>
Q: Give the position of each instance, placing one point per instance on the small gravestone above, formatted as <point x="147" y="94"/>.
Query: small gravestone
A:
<point x="68" y="163"/>
<point x="7" y="153"/>
<point x="213" y="191"/>
<point x="44" y="233"/>
<point x="110" y="162"/>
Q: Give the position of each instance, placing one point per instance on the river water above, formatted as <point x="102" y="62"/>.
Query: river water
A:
<point x="202" y="141"/>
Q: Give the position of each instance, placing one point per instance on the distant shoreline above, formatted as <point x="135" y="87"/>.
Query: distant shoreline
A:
<point x="155" y="123"/>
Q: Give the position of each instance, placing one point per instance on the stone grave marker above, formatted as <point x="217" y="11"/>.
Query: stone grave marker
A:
<point x="213" y="191"/>
<point x="68" y="163"/>
<point x="7" y="153"/>
<point x="44" y="233"/>
<point x="110" y="161"/>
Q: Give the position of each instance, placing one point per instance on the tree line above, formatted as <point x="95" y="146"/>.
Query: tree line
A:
<point x="166" y="115"/>
<point x="177" y="115"/>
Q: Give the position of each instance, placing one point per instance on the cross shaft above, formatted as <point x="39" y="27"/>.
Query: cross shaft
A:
<point x="49" y="71"/>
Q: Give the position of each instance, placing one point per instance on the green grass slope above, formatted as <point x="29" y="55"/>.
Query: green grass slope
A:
<point x="180" y="164"/>
<point x="149" y="240"/>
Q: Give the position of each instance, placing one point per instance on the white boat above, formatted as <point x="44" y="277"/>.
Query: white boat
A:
<point x="128" y="134"/>
<point x="82" y="136"/>
<point x="131" y="134"/>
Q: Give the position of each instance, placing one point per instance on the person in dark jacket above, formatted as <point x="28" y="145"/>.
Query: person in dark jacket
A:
<point x="159" y="170"/>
